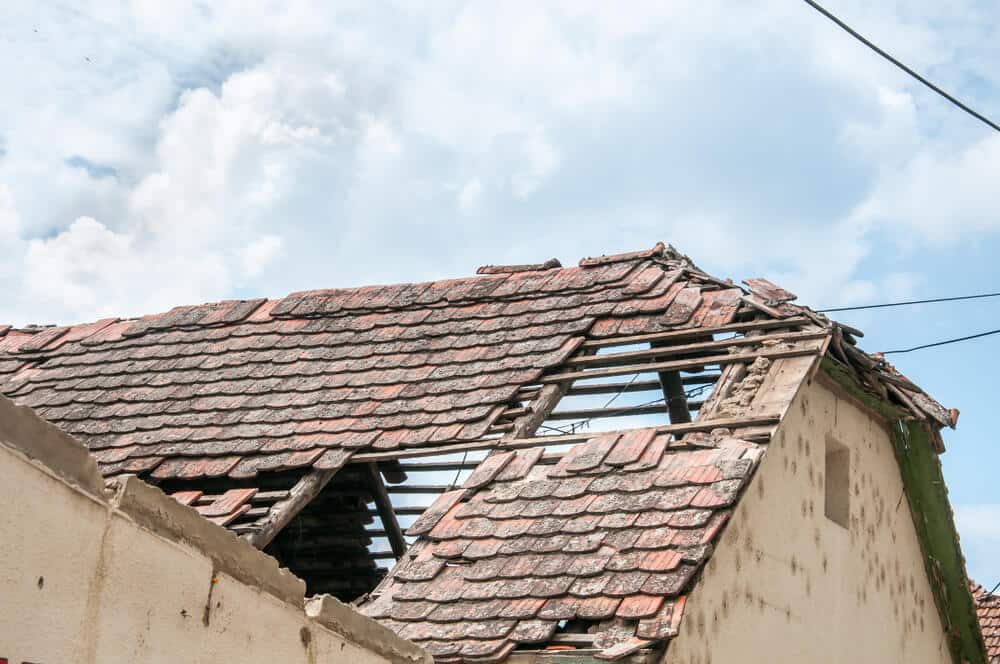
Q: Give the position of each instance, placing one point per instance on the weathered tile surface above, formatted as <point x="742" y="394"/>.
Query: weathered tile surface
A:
<point x="988" y="609"/>
<point x="244" y="387"/>
<point x="579" y="551"/>
<point x="228" y="405"/>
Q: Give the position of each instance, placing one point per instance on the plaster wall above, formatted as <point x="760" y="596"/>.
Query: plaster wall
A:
<point x="94" y="576"/>
<point x="788" y="584"/>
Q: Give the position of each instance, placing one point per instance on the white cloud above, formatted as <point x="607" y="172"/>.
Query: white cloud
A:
<point x="301" y="145"/>
<point x="942" y="193"/>
<point x="468" y="197"/>
<point x="258" y="254"/>
<point x="540" y="161"/>
<point x="980" y="528"/>
<point x="10" y="221"/>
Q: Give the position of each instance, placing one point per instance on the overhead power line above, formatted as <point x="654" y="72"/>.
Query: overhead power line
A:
<point x="903" y="304"/>
<point x="943" y="343"/>
<point x="869" y="44"/>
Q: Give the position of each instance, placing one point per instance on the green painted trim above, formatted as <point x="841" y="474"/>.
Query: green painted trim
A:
<point x="932" y="518"/>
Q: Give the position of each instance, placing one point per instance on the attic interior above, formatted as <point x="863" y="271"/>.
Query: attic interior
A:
<point x="345" y="540"/>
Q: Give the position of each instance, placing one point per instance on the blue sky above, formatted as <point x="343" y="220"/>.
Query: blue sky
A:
<point x="154" y="154"/>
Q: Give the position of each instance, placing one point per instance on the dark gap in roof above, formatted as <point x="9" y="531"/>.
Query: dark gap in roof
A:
<point x="328" y="544"/>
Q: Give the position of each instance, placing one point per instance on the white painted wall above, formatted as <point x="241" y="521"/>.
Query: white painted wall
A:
<point x="89" y="576"/>
<point x="787" y="584"/>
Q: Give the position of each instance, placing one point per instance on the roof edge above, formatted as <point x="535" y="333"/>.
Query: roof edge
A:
<point x="26" y="432"/>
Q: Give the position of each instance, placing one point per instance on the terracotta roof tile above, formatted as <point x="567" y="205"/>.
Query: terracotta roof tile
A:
<point x="593" y="566"/>
<point x="219" y="401"/>
<point x="988" y="610"/>
<point x="385" y="367"/>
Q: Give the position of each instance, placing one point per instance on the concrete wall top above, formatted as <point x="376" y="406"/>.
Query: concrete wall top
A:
<point x="63" y="459"/>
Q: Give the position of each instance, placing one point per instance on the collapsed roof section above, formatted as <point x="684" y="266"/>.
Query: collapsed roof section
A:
<point x="296" y="422"/>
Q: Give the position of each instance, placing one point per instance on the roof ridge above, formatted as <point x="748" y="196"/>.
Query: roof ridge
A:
<point x="183" y="312"/>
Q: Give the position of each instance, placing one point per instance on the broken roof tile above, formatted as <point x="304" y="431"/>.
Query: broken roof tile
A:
<point x="488" y="469"/>
<point x="433" y="514"/>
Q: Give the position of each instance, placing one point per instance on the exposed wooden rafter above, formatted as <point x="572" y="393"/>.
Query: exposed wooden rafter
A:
<point x="386" y="512"/>
<point x="544" y="441"/>
<point x="300" y="495"/>
<point x="663" y="349"/>
<point x="680" y="365"/>
<point x="694" y="333"/>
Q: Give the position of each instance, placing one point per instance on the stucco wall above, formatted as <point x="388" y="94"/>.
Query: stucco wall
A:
<point x="129" y="575"/>
<point x="787" y="584"/>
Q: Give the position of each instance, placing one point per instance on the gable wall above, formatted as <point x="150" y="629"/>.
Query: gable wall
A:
<point x="88" y="575"/>
<point x="787" y="584"/>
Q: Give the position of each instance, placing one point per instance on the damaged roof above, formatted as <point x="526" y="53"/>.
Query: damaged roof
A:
<point x="265" y="413"/>
<point x="609" y="535"/>
<point x="988" y="610"/>
<point x="235" y="388"/>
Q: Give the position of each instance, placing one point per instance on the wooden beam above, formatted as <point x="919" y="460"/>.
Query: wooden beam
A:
<point x="614" y="411"/>
<point x="282" y="513"/>
<point x="410" y="510"/>
<point x="675" y="397"/>
<point x="679" y="365"/>
<point x="636" y="386"/>
<point x="418" y="488"/>
<point x="256" y="499"/>
<point x="438" y="466"/>
<point x="673" y="390"/>
<point x="662" y="350"/>
<point x="386" y="512"/>
<point x="527" y="424"/>
<point x="545" y="441"/>
<point x="694" y="333"/>
<point x="511" y="413"/>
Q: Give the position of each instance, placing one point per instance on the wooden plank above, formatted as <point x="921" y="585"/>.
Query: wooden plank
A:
<point x="781" y="383"/>
<point x="438" y="466"/>
<point x="576" y="656"/>
<point x="548" y="397"/>
<point x="675" y="397"/>
<point x="694" y="333"/>
<point x="609" y="359"/>
<point x="567" y="439"/>
<point x="386" y="512"/>
<point x="418" y="488"/>
<point x="673" y="391"/>
<point x="636" y="386"/>
<point x="679" y="365"/>
<point x="299" y="496"/>
<point x="614" y="411"/>
<point x="410" y="510"/>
